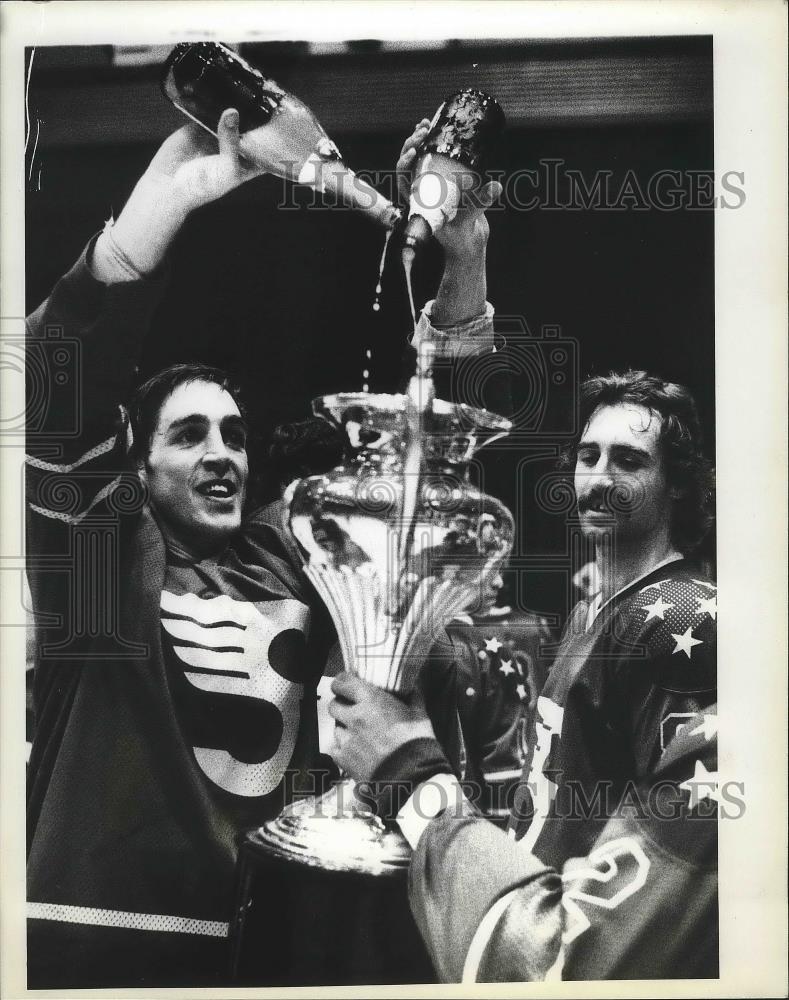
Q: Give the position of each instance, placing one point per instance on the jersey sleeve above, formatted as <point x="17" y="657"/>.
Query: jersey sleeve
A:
<point x="82" y="346"/>
<point x="467" y="357"/>
<point x="102" y="326"/>
<point x="666" y="667"/>
<point x="492" y="912"/>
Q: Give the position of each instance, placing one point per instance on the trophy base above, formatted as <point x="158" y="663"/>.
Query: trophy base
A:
<point x="336" y="832"/>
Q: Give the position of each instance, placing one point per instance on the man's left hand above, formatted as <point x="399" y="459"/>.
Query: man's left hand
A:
<point x="466" y="235"/>
<point x="372" y="723"/>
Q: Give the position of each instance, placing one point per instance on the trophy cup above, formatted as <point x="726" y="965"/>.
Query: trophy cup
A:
<point x="396" y="541"/>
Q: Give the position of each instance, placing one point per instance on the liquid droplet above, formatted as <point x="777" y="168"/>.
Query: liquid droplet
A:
<point x="407" y="262"/>
<point x="377" y="304"/>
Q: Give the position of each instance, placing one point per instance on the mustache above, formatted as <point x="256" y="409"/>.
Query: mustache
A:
<point x="618" y="498"/>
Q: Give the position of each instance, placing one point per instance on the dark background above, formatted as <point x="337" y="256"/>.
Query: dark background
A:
<point x="283" y="298"/>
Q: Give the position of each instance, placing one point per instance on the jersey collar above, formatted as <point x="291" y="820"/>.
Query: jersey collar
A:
<point x="597" y="604"/>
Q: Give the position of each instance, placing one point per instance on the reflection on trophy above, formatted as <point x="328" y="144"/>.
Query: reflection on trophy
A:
<point x="396" y="541"/>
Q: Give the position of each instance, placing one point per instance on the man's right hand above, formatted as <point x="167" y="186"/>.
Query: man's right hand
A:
<point x="190" y="169"/>
<point x="372" y="724"/>
<point x="200" y="167"/>
<point x="462" y="292"/>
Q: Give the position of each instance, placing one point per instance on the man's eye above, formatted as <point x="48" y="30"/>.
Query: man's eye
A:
<point x="629" y="463"/>
<point x="586" y="458"/>
<point x="189" y="435"/>
<point x="236" y="439"/>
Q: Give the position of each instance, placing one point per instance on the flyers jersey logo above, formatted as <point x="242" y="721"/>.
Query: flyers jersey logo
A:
<point x="252" y="650"/>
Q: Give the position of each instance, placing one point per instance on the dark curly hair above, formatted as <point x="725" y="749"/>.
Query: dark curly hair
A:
<point x="304" y="448"/>
<point x="688" y="473"/>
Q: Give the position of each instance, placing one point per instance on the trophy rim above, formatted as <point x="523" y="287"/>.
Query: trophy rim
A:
<point x="397" y="402"/>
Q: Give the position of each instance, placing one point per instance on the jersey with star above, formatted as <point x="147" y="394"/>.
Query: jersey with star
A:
<point x="498" y="672"/>
<point x="616" y="693"/>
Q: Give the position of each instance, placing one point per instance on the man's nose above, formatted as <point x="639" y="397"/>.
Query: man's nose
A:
<point x="601" y="476"/>
<point x="216" y="450"/>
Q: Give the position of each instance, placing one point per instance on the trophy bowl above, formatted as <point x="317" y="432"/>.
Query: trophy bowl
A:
<point x="396" y="541"/>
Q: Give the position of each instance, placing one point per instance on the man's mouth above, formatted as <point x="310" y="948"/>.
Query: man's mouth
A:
<point x="218" y="489"/>
<point x="595" y="507"/>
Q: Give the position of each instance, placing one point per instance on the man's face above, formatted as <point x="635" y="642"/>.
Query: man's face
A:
<point x="196" y="470"/>
<point x="620" y="479"/>
<point x="490" y="594"/>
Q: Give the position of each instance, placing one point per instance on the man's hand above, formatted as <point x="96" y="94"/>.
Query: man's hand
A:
<point x="200" y="168"/>
<point x="468" y="232"/>
<point x="371" y="724"/>
<point x="190" y="169"/>
<point x="463" y="290"/>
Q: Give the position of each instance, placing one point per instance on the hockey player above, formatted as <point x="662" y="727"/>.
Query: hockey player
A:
<point x="635" y="662"/>
<point x="178" y="648"/>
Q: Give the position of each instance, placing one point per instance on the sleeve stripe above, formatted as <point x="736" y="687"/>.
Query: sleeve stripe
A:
<point x="59" y="515"/>
<point x="502" y="775"/>
<point x="125" y="918"/>
<point x="99" y="449"/>
<point x="482" y="936"/>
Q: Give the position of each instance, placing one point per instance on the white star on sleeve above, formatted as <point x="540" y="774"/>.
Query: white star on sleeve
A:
<point x="685" y="642"/>
<point x="703" y="785"/>
<point x="507" y="668"/>
<point x="707" y="605"/>
<point x="656" y="610"/>
<point x="521" y="690"/>
<point x="493" y="645"/>
<point x="709" y="727"/>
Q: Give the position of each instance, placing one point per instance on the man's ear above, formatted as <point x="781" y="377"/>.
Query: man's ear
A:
<point x="142" y="472"/>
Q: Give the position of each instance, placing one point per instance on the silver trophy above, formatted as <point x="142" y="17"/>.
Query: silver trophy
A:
<point x="397" y="541"/>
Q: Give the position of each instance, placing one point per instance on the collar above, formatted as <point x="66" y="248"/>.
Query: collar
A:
<point x="596" y="605"/>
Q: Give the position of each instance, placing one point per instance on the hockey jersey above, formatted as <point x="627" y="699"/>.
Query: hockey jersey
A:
<point x="641" y="903"/>
<point x="615" y="694"/>
<point x="175" y="702"/>
<point x="499" y="669"/>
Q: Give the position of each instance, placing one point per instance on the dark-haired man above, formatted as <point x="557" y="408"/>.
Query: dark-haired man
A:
<point x="634" y="667"/>
<point x="639" y="657"/>
<point x="174" y="676"/>
<point x="179" y="652"/>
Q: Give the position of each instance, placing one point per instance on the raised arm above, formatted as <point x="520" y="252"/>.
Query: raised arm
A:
<point x="105" y="302"/>
<point x="459" y="320"/>
<point x="96" y="318"/>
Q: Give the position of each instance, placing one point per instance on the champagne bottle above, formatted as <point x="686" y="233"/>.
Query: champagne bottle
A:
<point x="278" y="131"/>
<point x="448" y="163"/>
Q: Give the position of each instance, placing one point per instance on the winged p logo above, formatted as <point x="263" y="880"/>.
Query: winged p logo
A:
<point x="242" y="648"/>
